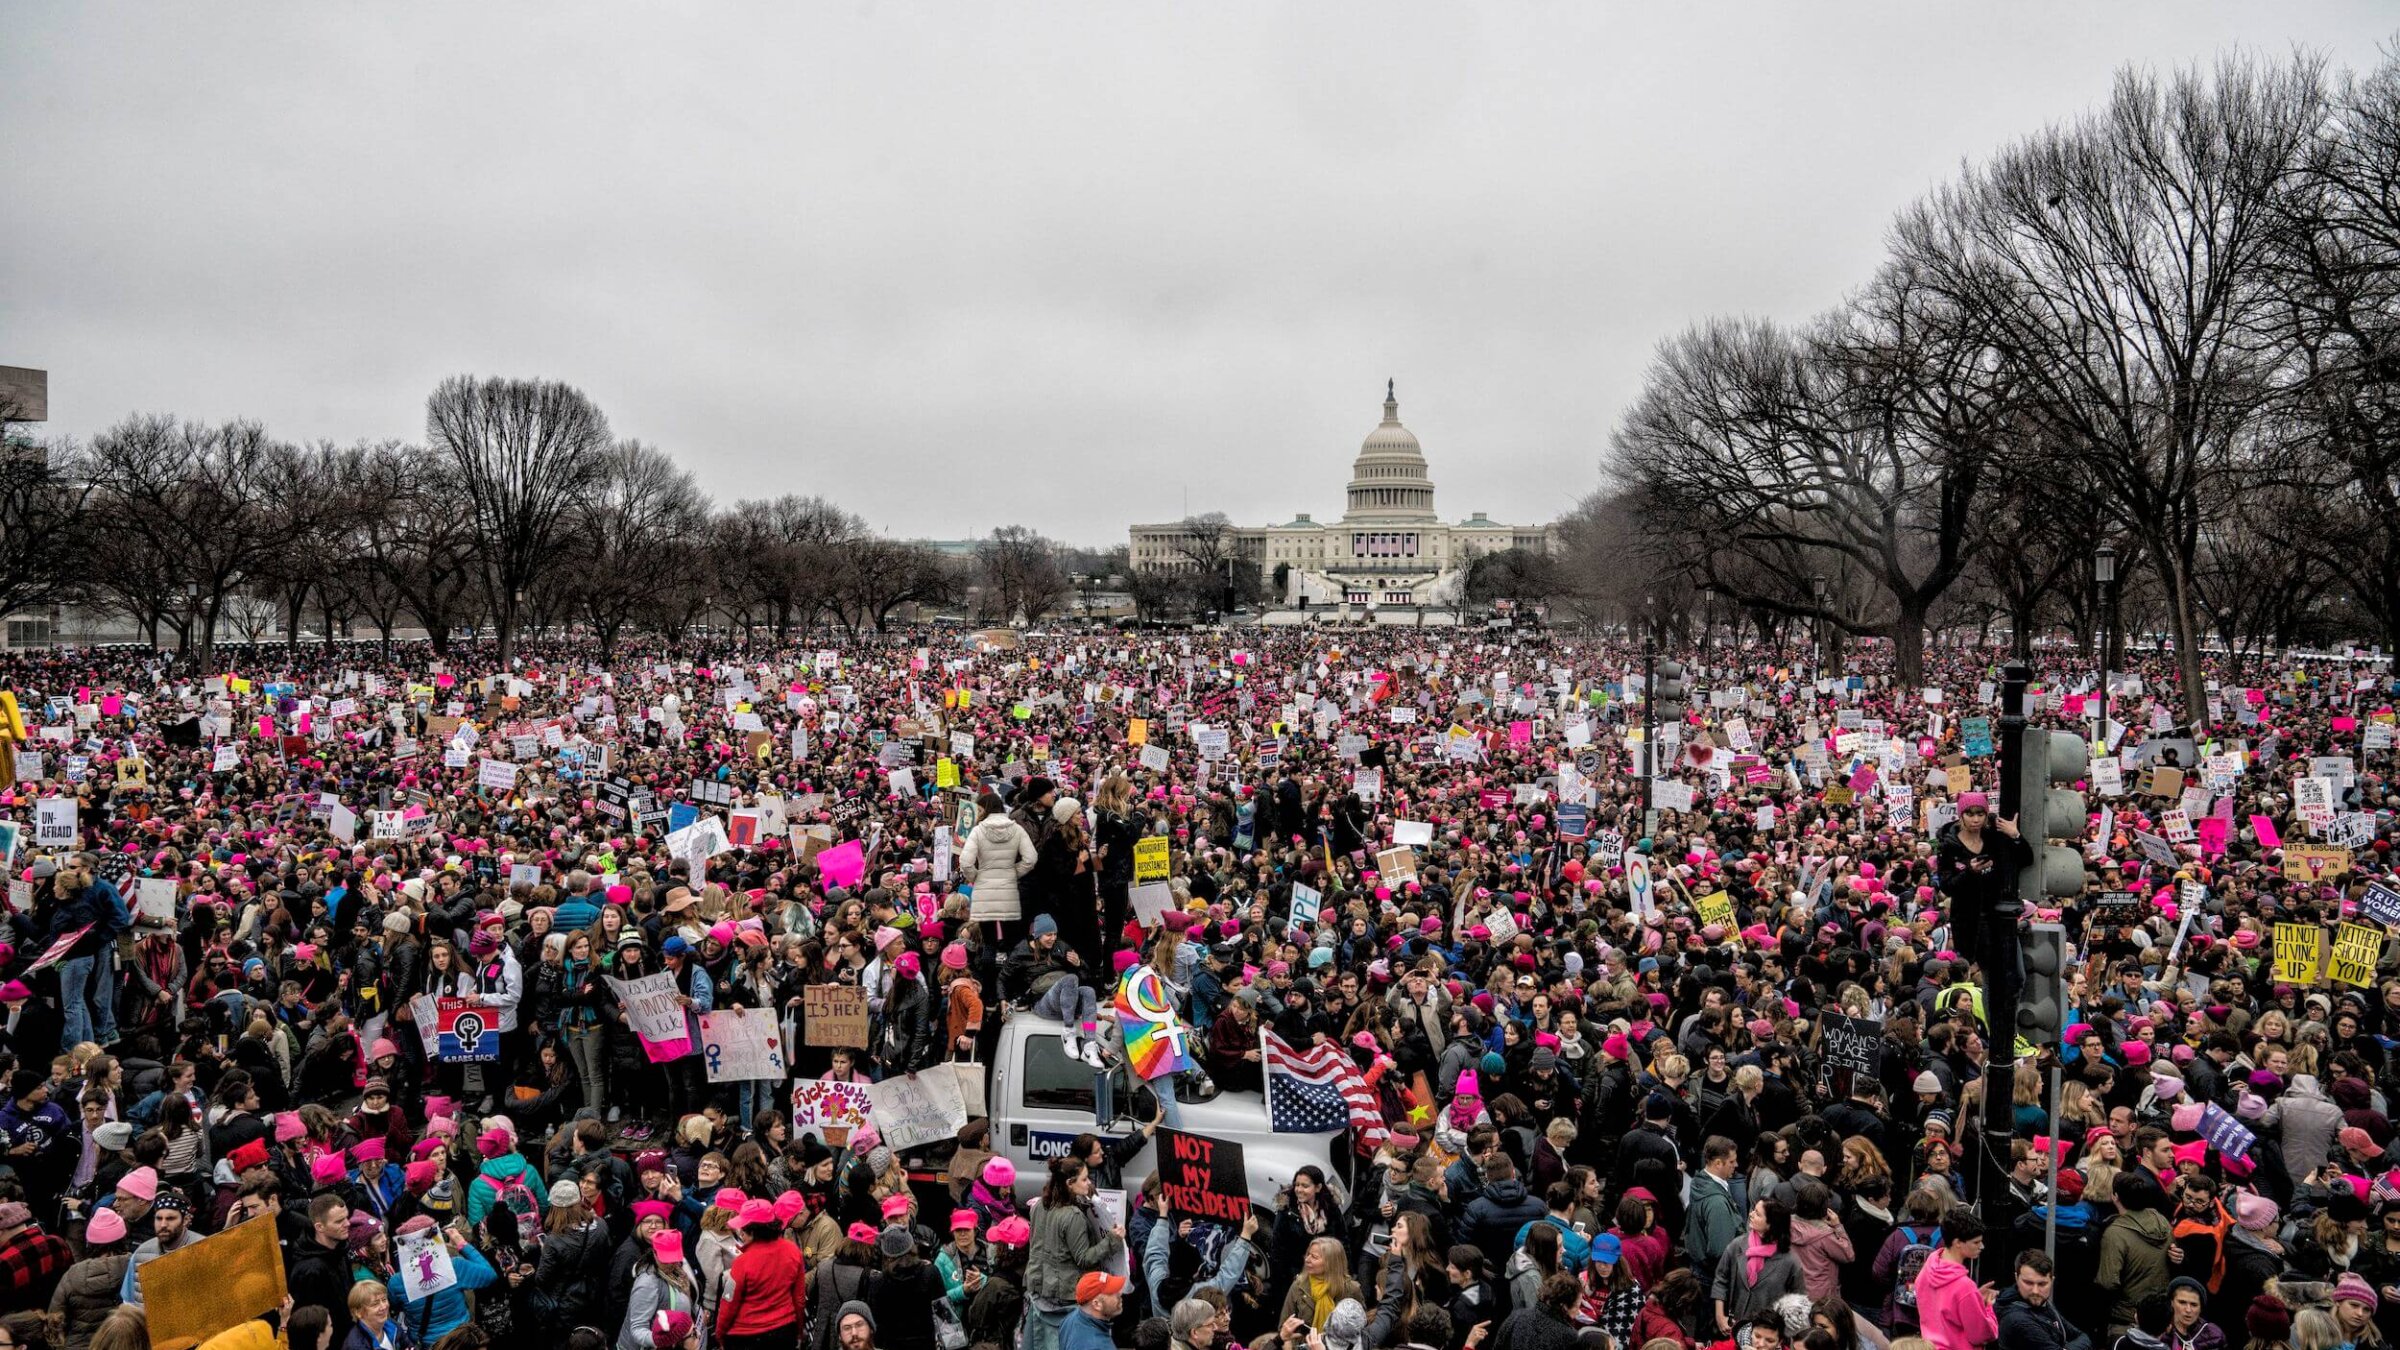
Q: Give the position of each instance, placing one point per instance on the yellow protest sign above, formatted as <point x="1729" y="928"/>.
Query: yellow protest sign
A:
<point x="1137" y="731"/>
<point x="2299" y="953"/>
<point x="218" y="1282"/>
<point x="945" y="773"/>
<point x="2315" y="862"/>
<point x="2356" y="949"/>
<point x="1717" y="907"/>
<point x="1149" y="860"/>
<point x="1959" y="778"/>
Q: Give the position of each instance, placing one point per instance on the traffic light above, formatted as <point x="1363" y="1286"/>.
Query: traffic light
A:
<point x="2042" y="1004"/>
<point x="1669" y="692"/>
<point x="2049" y="813"/>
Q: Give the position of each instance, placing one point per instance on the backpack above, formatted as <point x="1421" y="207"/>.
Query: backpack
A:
<point x="518" y="1197"/>
<point x="1913" y="1256"/>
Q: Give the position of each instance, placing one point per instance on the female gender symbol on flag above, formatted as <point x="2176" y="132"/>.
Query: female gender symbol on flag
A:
<point x="1155" y="1038"/>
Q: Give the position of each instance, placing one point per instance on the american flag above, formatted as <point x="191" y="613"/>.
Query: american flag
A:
<point x="1319" y="1089"/>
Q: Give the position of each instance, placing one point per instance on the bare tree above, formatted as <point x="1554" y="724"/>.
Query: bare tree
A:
<point x="526" y="454"/>
<point x="1021" y="575"/>
<point x="2119" y="266"/>
<point x="641" y="503"/>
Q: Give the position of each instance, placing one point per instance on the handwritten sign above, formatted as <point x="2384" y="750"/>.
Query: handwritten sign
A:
<point x="425" y="1265"/>
<point x="833" y="1014"/>
<point x="741" y="1046"/>
<point x="655" y="1012"/>
<point x="2299" y="953"/>
<point x="1853" y="1049"/>
<point x="828" y="1107"/>
<point x="919" y="1108"/>
<point x="2356" y="949"/>
<point x="1203" y="1178"/>
<point x="2305" y="862"/>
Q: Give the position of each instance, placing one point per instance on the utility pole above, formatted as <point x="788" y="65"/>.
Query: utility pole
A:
<point x="2003" y="976"/>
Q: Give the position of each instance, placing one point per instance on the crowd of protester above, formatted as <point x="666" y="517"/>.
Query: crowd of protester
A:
<point x="1596" y="1036"/>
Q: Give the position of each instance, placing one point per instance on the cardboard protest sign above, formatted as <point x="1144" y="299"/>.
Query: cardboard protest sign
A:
<point x="1398" y="865"/>
<point x="2299" y="953"/>
<point x="654" y="1011"/>
<point x="1150" y="859"/>
<point x="425" y="1265"/>
<point x="1150" y="901"/>
<point x="1853" y="1048"/>
<point x="1203" y="1178"/>
<point x="2356" y="949"/>
<point x="465" y="1032"/>
<point x="2304" y="862"/>
<point x="833" y="1014"/>
<point x="919" y="1108"/>
<point x="740" y="1045"/>
<point x="217" y="1283"/>
<point x="832" y="1109"/>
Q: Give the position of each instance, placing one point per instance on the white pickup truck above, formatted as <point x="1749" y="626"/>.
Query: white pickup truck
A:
<point x="1041" y="1100"/>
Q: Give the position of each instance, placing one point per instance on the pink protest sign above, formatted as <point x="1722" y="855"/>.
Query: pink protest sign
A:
<point x="843" y="864"/>
<point x="2265" y="829"/>
<point x="58" y="949"/>
<point x="2345" y="724"/>
<point x="2212" y="830"/>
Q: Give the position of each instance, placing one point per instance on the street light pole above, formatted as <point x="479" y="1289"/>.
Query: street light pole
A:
<point x="1649" y="711"/>
<point x="2104" y="572"/>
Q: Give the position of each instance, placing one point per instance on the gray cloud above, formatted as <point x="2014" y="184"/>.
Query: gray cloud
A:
<point x="960" y="266"/>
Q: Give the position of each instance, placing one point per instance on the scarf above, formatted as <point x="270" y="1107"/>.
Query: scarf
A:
<point x="1320" y="1295"/>
<point x="1759" y="1250"/>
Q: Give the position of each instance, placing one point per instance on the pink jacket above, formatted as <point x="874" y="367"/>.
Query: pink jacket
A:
<point x="1822" y="1248"/>
<point x="1950" y="1308"/>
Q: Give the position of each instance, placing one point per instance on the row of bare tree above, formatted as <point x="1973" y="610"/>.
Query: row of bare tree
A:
<point x="520" y="510"/>
<point x="2168" y="327"/>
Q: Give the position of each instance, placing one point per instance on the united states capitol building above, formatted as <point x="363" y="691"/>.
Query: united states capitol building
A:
<point x="1389" y="549"/>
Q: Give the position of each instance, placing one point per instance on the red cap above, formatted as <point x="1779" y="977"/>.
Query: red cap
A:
<point x="1096" y="1284"/>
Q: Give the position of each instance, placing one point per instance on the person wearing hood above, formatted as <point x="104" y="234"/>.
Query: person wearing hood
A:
<point x="2133" y="1249"/>
<point x="438" y="1314"/>
<point x="2150" y="1326"/>
<point x="2306" y="1122"/>
<point x="2028" y="1319"/>
<point x="999" y="852"/>
<point x="2188" y="1327"/>
<point x="1951" y="1311"/>
<point x="1494" y="1218"/>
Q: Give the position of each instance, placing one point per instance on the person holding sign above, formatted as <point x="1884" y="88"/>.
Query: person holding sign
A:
<point x="1978" y="867"/>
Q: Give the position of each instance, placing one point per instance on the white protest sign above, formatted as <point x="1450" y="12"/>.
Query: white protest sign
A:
<point x="496" y="773"/>
<point x="228" y="758"/>
<point x="739" y="1045"/>
<point x="1306" y="901"/>
<point x="651" y="1008"/>
<point x="1150" y="901"/>
<point x="154" y="899"/>
<point x="1412" y="832"/>
<point x="919" y="1108"/>
<point x="54" y="820"/>
<point x="425" y="1266"/>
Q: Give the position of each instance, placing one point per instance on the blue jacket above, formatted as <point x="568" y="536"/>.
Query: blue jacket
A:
<point x="98" y="907"/>
<point x="1082" y="1331"/>
<point x="575" y="914"/>
<point x="437" y="1315"/>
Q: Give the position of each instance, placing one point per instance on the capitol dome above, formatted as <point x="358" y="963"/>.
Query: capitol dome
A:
<point x="1388" y="481"/>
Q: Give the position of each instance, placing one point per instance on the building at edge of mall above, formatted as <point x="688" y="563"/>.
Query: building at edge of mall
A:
<point x="1388" y="550"/>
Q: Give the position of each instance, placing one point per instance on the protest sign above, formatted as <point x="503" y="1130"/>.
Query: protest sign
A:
<point x="2223" y="1129"/>
<point x="2299" y="953"/>
<point x="465" y="1032"/>
<point x="740" y="1045"/>
<point x="1150" y="859"/>
<point x="1398" y="866"/>
<point x="1412" y="832"/>
<point x="58" y="949"/>
<point x="1203" y="1178"/>
<point x="919" y="1108"/>
<point x="54" y="822"/>
<point x="832" y="1109"/>
<point x="1156" y="1040"/>
<point x="154" y="900"/>
<point x="425" y="1265"/>
<point x="1306" y="901"/>
<point x="2356" y="949"/>
<point x="2380" y="903"/>
<point x="1853" y="1049"/>
<point x="2303" y="862"/>
<point x="833" y="1014"/>
<point x="499" y="774"/>
<point x="217" y="1283"/>
<point x="655" y="1012"/>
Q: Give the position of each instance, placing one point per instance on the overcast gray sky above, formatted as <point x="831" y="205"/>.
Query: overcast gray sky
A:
<point x="966" y="265"/>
